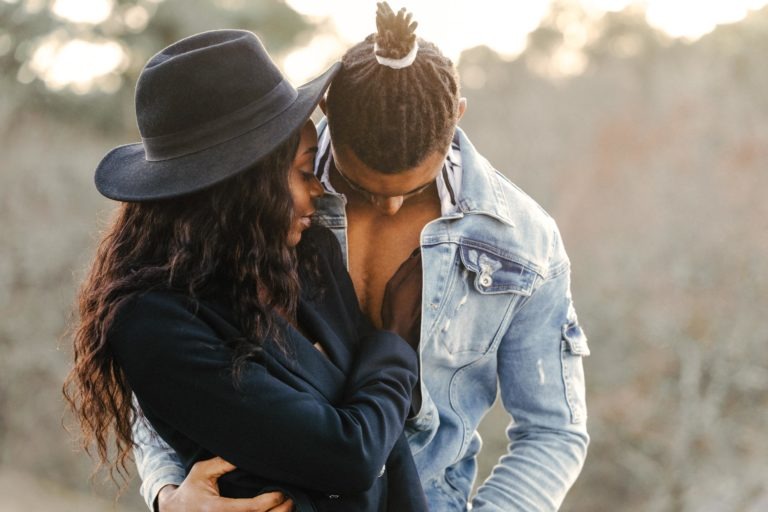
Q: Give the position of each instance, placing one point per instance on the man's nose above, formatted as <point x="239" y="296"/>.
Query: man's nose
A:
<point x="388" y="205"/>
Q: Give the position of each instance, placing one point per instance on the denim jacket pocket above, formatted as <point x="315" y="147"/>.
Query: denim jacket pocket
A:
<point x="481" y="300"/>
<point x="496" y="274"/>
<point x="574" y="348"/>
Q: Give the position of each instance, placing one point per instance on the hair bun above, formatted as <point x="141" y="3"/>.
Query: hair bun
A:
<point x="395" y="37"/>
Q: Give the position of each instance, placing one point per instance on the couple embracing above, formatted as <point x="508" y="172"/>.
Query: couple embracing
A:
<point x="329" y="309"/>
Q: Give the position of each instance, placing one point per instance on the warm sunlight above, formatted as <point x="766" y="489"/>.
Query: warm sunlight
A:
<point x="77" y="63"/>
<point x="504" y="26"/>
<point x="454" y="25"/>
<point x="690" y="19"/>
<point x="83" y="11"/>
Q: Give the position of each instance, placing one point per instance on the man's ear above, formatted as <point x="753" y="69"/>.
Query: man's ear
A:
<point x="462" y="107"/>
<point x="322" y="106"/>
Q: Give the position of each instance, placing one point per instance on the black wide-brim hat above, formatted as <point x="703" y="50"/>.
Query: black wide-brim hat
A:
<point x="208" y="107"/>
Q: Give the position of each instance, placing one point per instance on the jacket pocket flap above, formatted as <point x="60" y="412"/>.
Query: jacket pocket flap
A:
<point x="575" y="339"/>
<point x="497" y="274"/>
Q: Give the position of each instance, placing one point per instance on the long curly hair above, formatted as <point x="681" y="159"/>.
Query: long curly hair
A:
<point x="229" y="240"/>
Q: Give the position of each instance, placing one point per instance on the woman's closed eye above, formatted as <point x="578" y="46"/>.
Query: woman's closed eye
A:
<point x="307" y="175"/>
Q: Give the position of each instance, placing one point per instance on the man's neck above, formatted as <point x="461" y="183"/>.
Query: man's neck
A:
<point x="378" y="244"/>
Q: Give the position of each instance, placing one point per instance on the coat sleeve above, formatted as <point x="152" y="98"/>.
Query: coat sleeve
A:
<point x="180" y="370"/>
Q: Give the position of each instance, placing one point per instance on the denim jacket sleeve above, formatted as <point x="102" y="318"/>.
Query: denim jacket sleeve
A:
<point x="542" y="388"/>
<point x="157" y="463"/>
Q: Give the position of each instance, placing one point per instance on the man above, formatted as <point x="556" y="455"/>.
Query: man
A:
<point x="448" y="253"/>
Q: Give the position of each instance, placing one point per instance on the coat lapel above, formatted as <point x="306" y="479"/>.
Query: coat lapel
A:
<point x="300" y="364"/>
<point x="338" y="351"/>
<point x="325" y="373"/>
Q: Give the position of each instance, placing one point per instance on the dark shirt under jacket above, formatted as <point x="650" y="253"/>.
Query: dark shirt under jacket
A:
<point x="319" y="428"/>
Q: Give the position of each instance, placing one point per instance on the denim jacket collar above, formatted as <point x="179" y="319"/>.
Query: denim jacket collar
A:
<point x="480" y="192"/>
<point x="477" y="193"/>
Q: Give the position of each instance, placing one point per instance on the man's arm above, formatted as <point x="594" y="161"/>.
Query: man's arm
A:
<point x="157" y="464"/>
<point x="542" y="387"/>
<point x="165" y="489"/>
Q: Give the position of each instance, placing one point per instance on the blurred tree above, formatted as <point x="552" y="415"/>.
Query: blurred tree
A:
<point x="35" y="33"/>
<point x="625" y="34"/>
<point x="653" y="163"/>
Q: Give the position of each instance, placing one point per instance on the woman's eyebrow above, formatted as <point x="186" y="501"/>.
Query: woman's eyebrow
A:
<point x="313" y="149"/>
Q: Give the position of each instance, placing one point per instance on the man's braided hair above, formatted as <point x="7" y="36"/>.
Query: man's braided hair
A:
<point x="392" y="119"/>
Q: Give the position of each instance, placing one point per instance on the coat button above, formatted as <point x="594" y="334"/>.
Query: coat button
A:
<point x="486" y="280"/>
<point x="333" y="496"/>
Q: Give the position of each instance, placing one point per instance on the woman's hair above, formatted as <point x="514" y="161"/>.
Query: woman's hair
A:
<point x="392" y="119"/>
<point x="229" y="240"/>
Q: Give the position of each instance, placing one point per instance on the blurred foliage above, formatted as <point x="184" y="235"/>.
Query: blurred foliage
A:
<point x="49" y="144"/>
<point x="141" y="27"/>
<point x="652" y="159"/>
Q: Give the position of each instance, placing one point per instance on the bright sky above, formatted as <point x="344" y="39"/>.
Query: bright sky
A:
<point x="452" y="24"/>
<point x="455" y="25"/>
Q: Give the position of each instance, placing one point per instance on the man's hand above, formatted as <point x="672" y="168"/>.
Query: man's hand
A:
<point x="200" y="493"/>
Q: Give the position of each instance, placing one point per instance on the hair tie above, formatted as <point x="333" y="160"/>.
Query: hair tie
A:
<point x="401" y="63"/>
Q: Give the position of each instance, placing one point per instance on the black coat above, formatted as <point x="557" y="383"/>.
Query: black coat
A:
<point x="319" y="428"/>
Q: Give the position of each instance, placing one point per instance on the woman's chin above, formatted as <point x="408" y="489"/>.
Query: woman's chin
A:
<point x="294" y="237"/>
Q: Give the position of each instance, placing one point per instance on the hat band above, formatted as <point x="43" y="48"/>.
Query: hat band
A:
<point x="221" y="129"/>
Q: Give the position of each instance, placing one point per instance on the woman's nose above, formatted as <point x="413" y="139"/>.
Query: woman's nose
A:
<point x="316" y="189"/>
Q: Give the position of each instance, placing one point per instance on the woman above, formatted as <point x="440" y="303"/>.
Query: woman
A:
<point x="211" y="299"/>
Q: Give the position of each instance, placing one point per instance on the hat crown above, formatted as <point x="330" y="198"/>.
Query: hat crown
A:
<point x="208" y="107"/>
<point x="202" y="78"/>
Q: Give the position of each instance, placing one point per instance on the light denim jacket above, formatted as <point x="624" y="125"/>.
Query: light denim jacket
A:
<point x="497" y="316"/>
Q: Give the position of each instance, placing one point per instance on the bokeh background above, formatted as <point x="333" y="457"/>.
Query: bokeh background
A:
<point x="641" y="127"/>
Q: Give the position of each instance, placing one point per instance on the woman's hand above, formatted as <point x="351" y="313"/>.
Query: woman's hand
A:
<point x="200" y="493"/>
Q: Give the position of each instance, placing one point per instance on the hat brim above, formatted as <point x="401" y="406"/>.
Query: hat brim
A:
<point x="125" y="174"/>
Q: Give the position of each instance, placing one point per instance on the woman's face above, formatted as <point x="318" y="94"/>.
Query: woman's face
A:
<point x="303" y="185"/>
